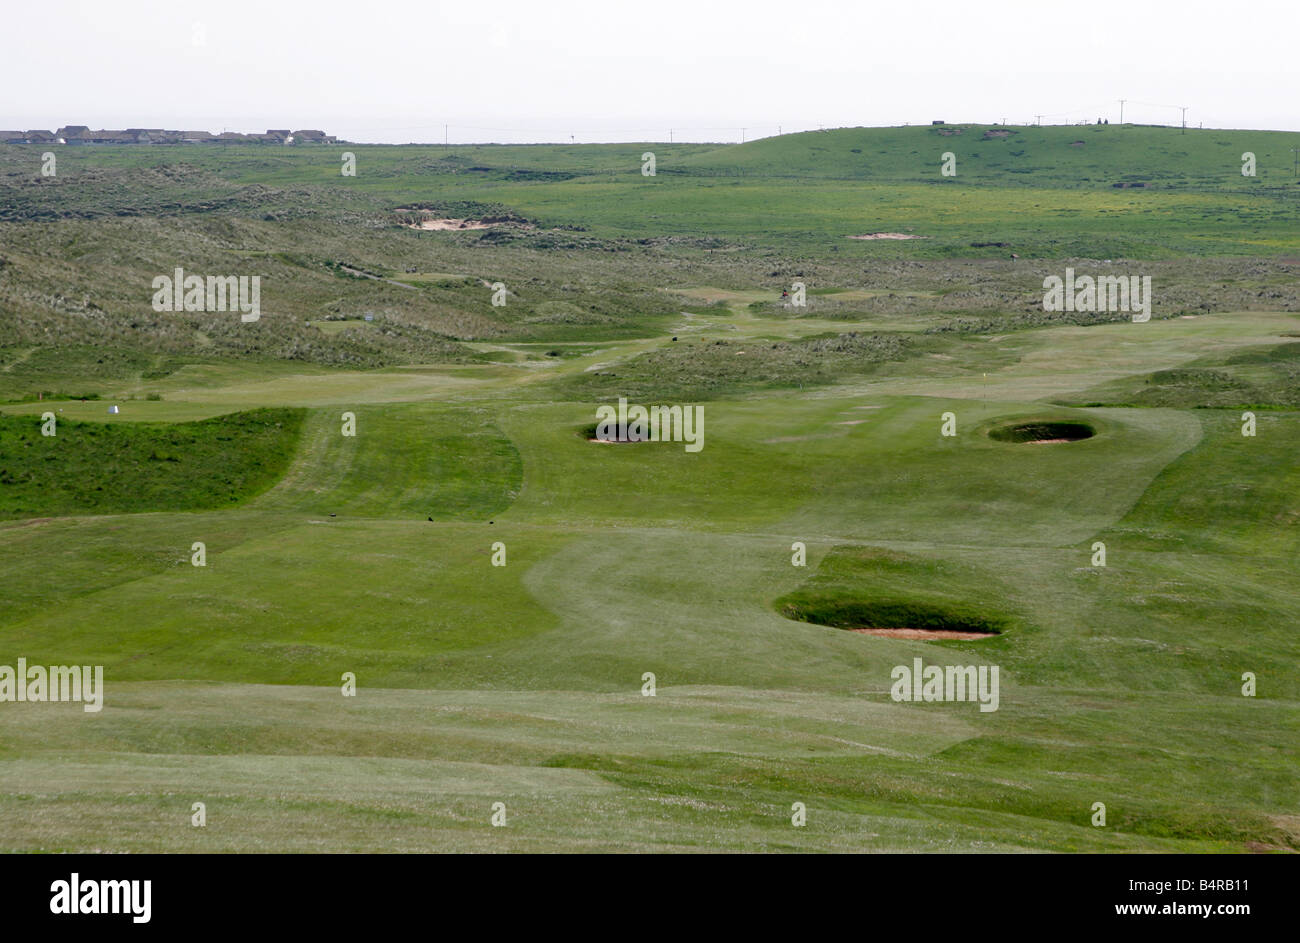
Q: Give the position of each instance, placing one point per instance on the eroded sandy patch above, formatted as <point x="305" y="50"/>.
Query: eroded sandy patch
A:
<point x="450" y="223"/>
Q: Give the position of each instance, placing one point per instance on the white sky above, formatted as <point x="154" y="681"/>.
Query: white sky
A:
<point x="612" y="70"/>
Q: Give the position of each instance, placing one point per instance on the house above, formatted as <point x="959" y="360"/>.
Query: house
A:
<point x="72" y="134"/>
<point x="81" y="134"/>
<point x="27" y="137"/>
<point x="146" y="135"/>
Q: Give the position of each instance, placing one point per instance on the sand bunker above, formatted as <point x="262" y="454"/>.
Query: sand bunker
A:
<point x="445" y="224"/>
<point x="888" y="235"/>
<point x="923" y="633"/>
<point x="890" y="618"/>
<point x="1043" y="432"/>
<point x="618" y="435"/>
<point x="426" y="220"/>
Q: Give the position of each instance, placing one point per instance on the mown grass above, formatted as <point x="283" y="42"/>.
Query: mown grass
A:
<point x="403" y="461"/>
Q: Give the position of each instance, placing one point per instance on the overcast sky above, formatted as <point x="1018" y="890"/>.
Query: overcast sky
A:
<point x="614" y="70"/>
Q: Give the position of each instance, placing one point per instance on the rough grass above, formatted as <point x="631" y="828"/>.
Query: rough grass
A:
<point x="99" y="468"/>
<point x="706" y="369"/>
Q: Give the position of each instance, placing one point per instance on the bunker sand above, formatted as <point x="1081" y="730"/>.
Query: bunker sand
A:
<point x="923" y="633"/>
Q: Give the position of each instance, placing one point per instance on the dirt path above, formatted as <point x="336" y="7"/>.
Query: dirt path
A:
<point x="353" y="271"/>
<point x="19" y="359"/>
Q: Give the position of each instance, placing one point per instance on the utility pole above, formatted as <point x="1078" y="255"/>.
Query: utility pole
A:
<point x="1121" y="109"/>
<point x="670" y="135"/>
<point x="742" y="135"/>
<point x="1184" y="108"/>
<point x="1038" y="119"/>
<point x="444" y="135"/>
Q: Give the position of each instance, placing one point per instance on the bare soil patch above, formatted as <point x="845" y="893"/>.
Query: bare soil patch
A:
<point x="426" y="220"/>
<point x="443" y="225"/>
<point x="888" y="235"/>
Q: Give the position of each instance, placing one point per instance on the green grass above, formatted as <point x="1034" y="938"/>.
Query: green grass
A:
<point x="374" y="554"/>
<point x="863" y="588"/>
<point x="101" y="468"/>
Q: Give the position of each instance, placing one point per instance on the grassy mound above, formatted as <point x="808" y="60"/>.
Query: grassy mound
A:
<point x="1250" y="378"/>
<point x="710" y="369"/>
<point x="96" y="468"/>
<point x="871" y="588"/>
